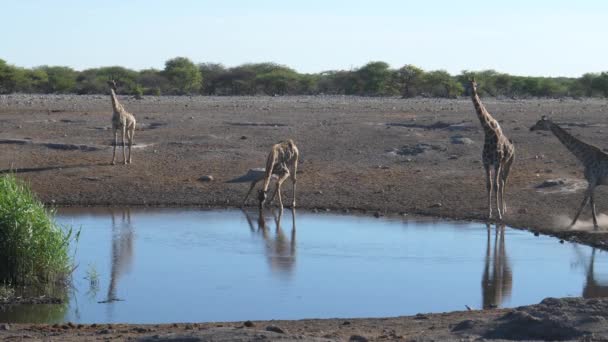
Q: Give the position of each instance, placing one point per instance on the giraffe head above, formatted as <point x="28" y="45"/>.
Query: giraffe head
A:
<point x="112" y="84"/>
<point x="543" y="124"/>
<point x="473" y="84"/>
<point x="261" y="196"/>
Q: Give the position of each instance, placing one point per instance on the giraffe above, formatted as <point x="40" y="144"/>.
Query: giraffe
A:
<point x="594" y="160"/>
<point x="282" y="157"/>
<point x="123" y="121"/>
<point x="498" y="154"/>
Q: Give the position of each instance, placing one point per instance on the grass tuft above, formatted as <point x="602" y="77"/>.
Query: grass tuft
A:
<point x="34" y="249"/>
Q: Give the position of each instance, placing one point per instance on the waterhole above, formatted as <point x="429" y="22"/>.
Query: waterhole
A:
<point x="192" y="265"/>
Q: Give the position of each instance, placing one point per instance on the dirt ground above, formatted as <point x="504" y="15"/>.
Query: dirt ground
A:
<point x="381" y="156"/>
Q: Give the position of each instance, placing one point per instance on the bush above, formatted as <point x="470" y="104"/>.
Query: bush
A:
<point x="33" y="248"/>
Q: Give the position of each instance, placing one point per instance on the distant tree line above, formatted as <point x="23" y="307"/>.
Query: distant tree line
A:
<point x="183" y="77"/>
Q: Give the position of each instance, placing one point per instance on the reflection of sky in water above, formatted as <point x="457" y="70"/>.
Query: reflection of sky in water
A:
<point x="171" y="265"/>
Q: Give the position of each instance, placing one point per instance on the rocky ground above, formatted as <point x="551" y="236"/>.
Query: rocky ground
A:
<point x="382" y="156"/>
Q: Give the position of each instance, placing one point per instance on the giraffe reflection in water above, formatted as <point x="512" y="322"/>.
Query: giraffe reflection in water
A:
<point x="280" y="250"/>
<point x="122" y="250"/>
<point x="497" y="279"/>
<point x="594" y="287"/>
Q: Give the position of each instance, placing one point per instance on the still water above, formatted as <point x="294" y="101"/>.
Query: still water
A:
<point x="187" y="265"/>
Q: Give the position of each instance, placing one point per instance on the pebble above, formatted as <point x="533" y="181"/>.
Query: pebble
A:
<point x="276" y="329"/>
<point x="358" y="338"/>
<point x="206" y="178"/>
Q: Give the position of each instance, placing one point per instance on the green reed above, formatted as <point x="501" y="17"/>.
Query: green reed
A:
<point x="34" y="249"/>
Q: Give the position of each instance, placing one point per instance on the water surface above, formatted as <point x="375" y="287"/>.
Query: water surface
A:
<point x="186" y="265"/>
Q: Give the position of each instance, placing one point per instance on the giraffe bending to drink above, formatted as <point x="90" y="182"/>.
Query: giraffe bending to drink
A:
<point x="282" y="161"/>
<point x="123" y="121"/>
<point x="497" y="156"/>
<point x="594" y="160"/>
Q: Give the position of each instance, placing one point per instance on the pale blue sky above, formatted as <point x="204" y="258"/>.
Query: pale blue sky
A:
<point x="543" y="37"/>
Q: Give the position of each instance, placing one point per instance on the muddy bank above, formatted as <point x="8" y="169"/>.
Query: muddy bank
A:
<point x="568" y="319"/>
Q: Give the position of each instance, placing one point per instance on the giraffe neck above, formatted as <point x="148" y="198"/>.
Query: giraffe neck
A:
<point x="488" y="123"/>
<point x="581" y="150"/>
<point x="115" y="104"/>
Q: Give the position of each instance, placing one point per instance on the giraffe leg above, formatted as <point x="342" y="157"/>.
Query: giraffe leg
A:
<point x="115" y="143"/>
<point x="505" y="177"/>
<point x="274" y="194"/>
<point x="124" y="145"/>
<point x="294" y="181"/>
<point x="130" y="135"/>
<point x="489" y="190"/>
<point x="279" y="182"/>
<point x="583" y="204"/>
<point x="497" y="190"/>
<point x="592" y="202"/>
<point x="249" y="192"/>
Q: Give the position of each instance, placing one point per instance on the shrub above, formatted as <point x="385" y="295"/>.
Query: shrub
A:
<point x="33" y="248"/>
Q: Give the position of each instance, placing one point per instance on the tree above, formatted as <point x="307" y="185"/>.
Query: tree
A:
<point x="183" y="75"/>
<point x="439" y="83"/>
<point x="61" y="80"/>
<point x="152" y="81"/>
<point x="409" y="79"/>
<point x="211" y="73"/>
<point x="375" y="78"/>
<point x="600" y="84"/>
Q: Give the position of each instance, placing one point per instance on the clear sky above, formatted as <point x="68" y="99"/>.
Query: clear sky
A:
<point x="534" y="37"/>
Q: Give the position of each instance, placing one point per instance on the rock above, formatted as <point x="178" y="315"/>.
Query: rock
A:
<point x="275" y="329"/>
<point x="420" y="316"/>
<point x="346" y="323"/>
<point x="436" y="205"/>
<point x="453" y="157"/>
<point x="464" y="325"/>
<point x="377" y="214"/>
<point x="358" y="338"/>
<point x="5" y="326"/>
<point x="243" y="137"/>
<point x="206" y="178"/>
<point x="536" y="234"/>
<point x="460" y="140"/>
<point x="248" y="324"/>
<point x="561" y="241"/>
<point x="550" y="183"/>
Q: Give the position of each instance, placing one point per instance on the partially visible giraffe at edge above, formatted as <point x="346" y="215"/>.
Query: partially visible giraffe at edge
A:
<point x="283" y="162"/>
<point x="497" y="156"/>
<point x="123" y="121"/>
<point x="594" y="160"/>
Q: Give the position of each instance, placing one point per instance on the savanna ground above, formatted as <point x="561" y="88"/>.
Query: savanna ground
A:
<point x="380" y="156"/>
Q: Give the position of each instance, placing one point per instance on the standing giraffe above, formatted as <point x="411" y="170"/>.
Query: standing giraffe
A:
<point x="594" y="160"/>
<point x="123" y="120"/>
<point x="498" y="153"/>
<point x="282" y="157"/>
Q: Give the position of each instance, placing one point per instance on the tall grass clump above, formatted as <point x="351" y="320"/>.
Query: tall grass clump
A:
<point x="33" y="248"/>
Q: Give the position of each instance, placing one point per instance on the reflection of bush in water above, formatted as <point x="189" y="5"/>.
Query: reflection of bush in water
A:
<point x="34" y="313"/>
